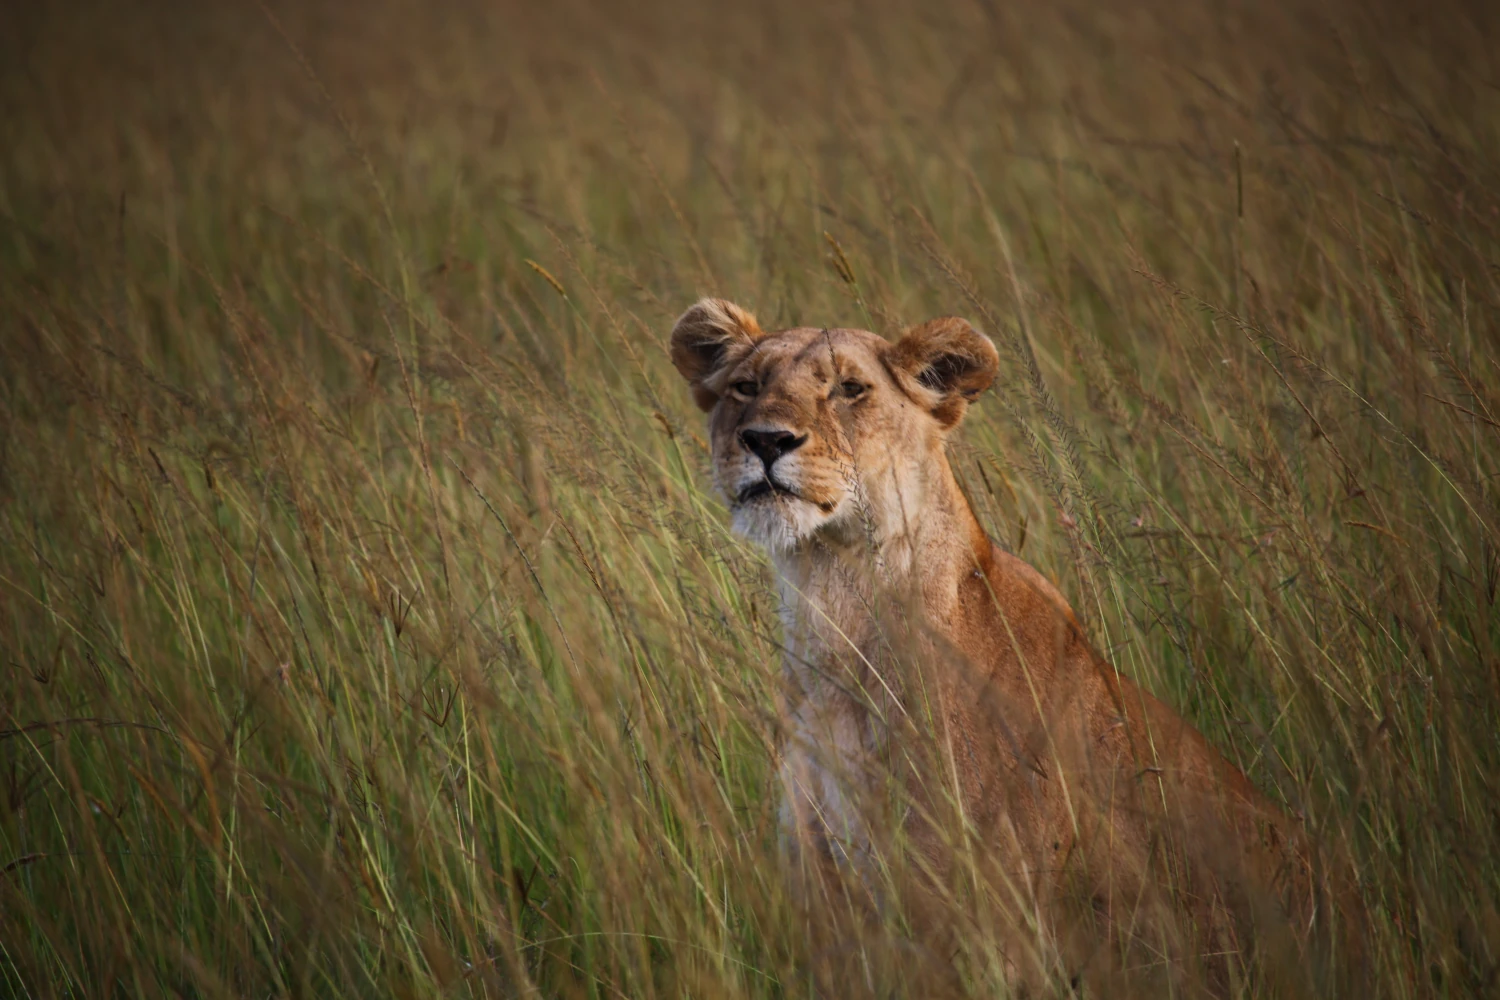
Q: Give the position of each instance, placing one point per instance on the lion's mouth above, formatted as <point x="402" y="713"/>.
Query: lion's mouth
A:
<point x="769" y="487"/>
<point x="765" y="488"/>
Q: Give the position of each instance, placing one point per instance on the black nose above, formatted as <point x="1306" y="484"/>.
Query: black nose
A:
<point x="771" y="445"/>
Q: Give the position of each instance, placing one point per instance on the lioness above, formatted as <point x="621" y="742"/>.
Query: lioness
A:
<point x="829" y="446"/>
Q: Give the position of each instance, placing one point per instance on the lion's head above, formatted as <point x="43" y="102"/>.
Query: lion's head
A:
<point x="830" y="433"/>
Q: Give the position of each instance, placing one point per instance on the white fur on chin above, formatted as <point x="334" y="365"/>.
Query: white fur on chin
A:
<point x="778" y="522"/>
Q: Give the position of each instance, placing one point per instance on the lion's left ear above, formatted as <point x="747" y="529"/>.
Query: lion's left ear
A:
<point x="946" y="363"/>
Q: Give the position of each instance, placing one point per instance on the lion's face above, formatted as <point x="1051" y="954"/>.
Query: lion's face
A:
<point x="826" y="432"/>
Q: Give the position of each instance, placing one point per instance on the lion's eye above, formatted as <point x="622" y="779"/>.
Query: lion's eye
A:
<point x="746" y="388"/>
<point x="851" y="389"/>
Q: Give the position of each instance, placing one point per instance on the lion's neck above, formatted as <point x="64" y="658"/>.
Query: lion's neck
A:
<point x="912" y="542"/>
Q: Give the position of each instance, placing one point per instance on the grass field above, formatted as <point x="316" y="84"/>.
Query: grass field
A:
<point x="368" y="624"/>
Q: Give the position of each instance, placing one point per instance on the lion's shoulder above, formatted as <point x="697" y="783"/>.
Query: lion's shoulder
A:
<point x="1021" y="595"/>
<point x="1029" y="577"/>
<point x="1010" y="613"/>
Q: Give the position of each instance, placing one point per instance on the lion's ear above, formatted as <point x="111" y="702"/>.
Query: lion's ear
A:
<point x="945" y="362"/>
<point x="705" y="338"/>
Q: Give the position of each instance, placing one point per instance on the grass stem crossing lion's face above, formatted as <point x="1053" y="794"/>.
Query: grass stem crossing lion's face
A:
<point x="827" y="432"/>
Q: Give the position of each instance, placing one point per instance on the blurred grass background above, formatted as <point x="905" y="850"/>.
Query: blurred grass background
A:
<point x="367" y="623"/>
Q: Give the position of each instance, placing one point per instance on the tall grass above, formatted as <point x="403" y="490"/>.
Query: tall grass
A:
<point x="367" y="623"/>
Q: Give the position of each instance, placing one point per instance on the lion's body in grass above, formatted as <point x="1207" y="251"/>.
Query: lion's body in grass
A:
<point x="1087" y="798"/>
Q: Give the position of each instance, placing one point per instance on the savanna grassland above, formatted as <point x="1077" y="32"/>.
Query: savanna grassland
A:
<point x="368" y="624"/>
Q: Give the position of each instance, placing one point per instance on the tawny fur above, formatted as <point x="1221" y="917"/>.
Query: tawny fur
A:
<point x="1069" y="774"/>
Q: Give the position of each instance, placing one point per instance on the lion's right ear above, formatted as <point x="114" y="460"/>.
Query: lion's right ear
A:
<point x="705" y="338"/>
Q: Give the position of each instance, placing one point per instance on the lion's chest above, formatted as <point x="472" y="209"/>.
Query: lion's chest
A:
<point x="835" y="692"/>
<point x="827" y="773"/>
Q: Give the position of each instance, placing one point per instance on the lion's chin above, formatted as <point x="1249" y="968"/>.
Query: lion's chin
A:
<point x="778" y="522"/>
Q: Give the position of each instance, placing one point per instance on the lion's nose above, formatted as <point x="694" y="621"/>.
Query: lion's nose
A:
<point x="771" y="445"/>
